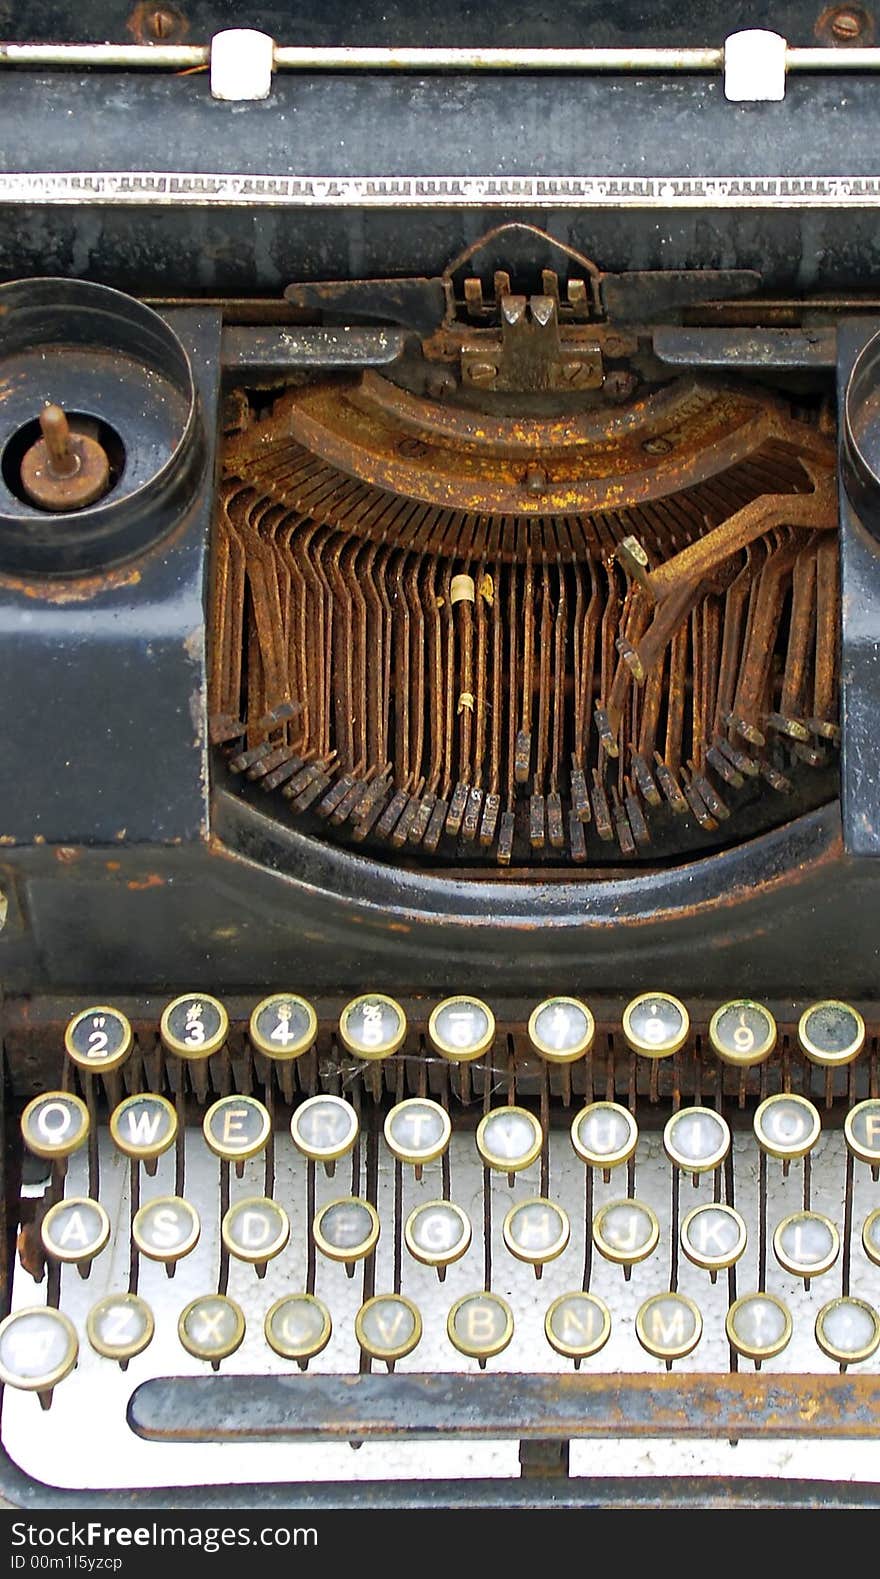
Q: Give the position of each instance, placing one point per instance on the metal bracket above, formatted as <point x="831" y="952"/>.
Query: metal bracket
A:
<point x="529" y="353"/>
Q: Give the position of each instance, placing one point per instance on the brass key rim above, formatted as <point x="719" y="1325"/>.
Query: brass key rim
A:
<point x="68" y="1257"/>
<point x="299" y="1045"/>
<point x="578" y="1351"/>
<point x="120" y="1351"/>
<point x="677" y="1351"/>
<point x="48" y="1379"/>
<point x="395" y="1352"/>
<point x="758" y="1351"/>
<point x="569" y="1055"/>
<point x="711" y="1160"/>
<point x="447" y="1049"/>
<point x="819" y="1055"/>
<point x="415" y="1155"/>
<point x="298" y="1351"/>
<point x="100" y="1064"/>
<point x="860" y="1152"/>
<point x="134" y="1149"/>
<point x="252" y="1148"/>
<point x="143" y="1214"/>
<point x="671" y="1044"/>
<point x="831" y="1350"/>
<point x="541" y="1257"/>
<point x="721" y="1261"/>
<point x="605" y="1159"/>
<point x="358" y="1252"/>
<point x="386" y="1049"/>
<point x="438" y="1257"/>
<point x="782" y="1151"/>
<point x="55" y="1149"/>
<point x="800" y="1268"/>
<point x="872" y="1250"/>
<point x="614" y="1253"/>
<point x="265" y="1252"/>
<point x="484" y="1351"/>
<point x="324" y="1153"/>
<point x="498" y="1160"/>
<point x="200" y="1352"/>
<point x="211" y="1044"/>
<point x="760" y="1051"/>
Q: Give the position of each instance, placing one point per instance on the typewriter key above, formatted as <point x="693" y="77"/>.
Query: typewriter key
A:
<point x="388" y="1327"/>
<point x="626" y="1232"/>
<point x="831" y="1033"/>
<point x="194" y="1026"/>
<point x="578" y="1326"/>
<point x="38" y="1348"/>
<point x="75" y="1229"/>
<point x="461" y="1029"/>
<point x="120" y="1326"/>
<point x="255" y="1230"/>
<point x="236" y="1128"/>
<point x="862" y="1130"/>
<point x="417" y="1130"/>
<point x="437" y="1233"/>
<point x="509" y="1139"/>
<point x="55" y="1124"/>
<point x="536" y="1231"/>
<point x="787" y="1126"/>
<point x="669" y="1326"/>
<point x="324" y="1128"/>
<point x="604" y="1135"/>
<point x="696" y="1139"/>
<point x="713" y="1236"/>
<point x="346" y="1230"/>
<point x="848" y="1331"/>
<point x="561" y="1029"/>
<point x="166" y="1229"/>
<point x="283" y="1026"/>
<point x="480" y="1325"/>
<point x="144" y="1126"/>
<point x="98" y="1039"/>
<point x="656" y="1024"/>
<point x="742" y="1032"/>
<point x="758" y="1326"/>
<point x="211" y="1327"/>
<point x="372" y="1026"/>
<point x="806" y="1244"/>
<point x="298" y="1327"/>
<point x="871" y="1236"/>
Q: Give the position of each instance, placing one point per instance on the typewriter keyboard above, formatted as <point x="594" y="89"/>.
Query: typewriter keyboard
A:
<point x="284" y="1190"/>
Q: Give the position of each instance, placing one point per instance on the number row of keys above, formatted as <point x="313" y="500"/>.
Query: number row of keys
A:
<point x="39" y="1346"/>
<point x="418" y="1130"/>
<point x="374" y="1026"/>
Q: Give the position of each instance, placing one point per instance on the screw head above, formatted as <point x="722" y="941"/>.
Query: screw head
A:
<point x="483" y="374"/>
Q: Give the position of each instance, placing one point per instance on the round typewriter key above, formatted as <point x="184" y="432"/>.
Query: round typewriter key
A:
<point x="211" y="1327"/>
<point x="437" y="1233"/>
<point x="144" y="1126"/>
<point x="626" y="1231"/>
<point x="871" y="1236"/>
<point x="388" y="1327"/>
<point x="509" y="1139"/>
<point x="38" y="1348"/>
<point x="75" y="1229"/>
<point x="656" y="1024"/>
<point x="346" y="1230"/>
<point x="324" y="1128"/>
<point x="536" y="1231"/>
<point x="848" y="1331"/>
<point x="417" y="1130"/>
<point x="166" y="1229"/>
<point x="372" y="1026"/>
<point x="862" y="1130"/>
<point x="787" y="1126"/>
<point x="461" y="1029"/>
<point x="283" y="1026"/>
<point x="236" y="1128"/>
<point x="480" y="1325"/>
<point x="561" y="1029"/>
<point x="713" y="1236"/>
<point x="696" y="1139"/>
<point x="577" y="1326"/>
<point x="758" y="1326"/>
<point x="742" y="1032"/>
<point x="55" y="1124"/>
<point x="806" y="1244"/>
<point x="831" y="1033"/>
<point x="298" y="1327"/>
<point x="99" y="1039"/>
<point x="194" y="1026"/>
<point x="669" y="1326"/>
<point x="604" y="1134"/>
<point x="120" y="1326"/>
<point x="255" y="1230"/>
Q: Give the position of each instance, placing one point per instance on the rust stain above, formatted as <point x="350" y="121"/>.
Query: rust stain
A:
<point x="153" y="880"/>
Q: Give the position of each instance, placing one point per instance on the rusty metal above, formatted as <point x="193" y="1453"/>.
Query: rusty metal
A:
<point x="64" y="469"/>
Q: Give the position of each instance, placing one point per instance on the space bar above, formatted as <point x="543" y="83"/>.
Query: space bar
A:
<point x="308" y="1408"/>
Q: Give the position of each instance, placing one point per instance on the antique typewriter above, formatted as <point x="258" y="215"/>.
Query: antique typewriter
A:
<point x="440" y="835"/>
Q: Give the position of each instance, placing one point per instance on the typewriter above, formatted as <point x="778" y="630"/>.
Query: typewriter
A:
<point x="439" y="807"/>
